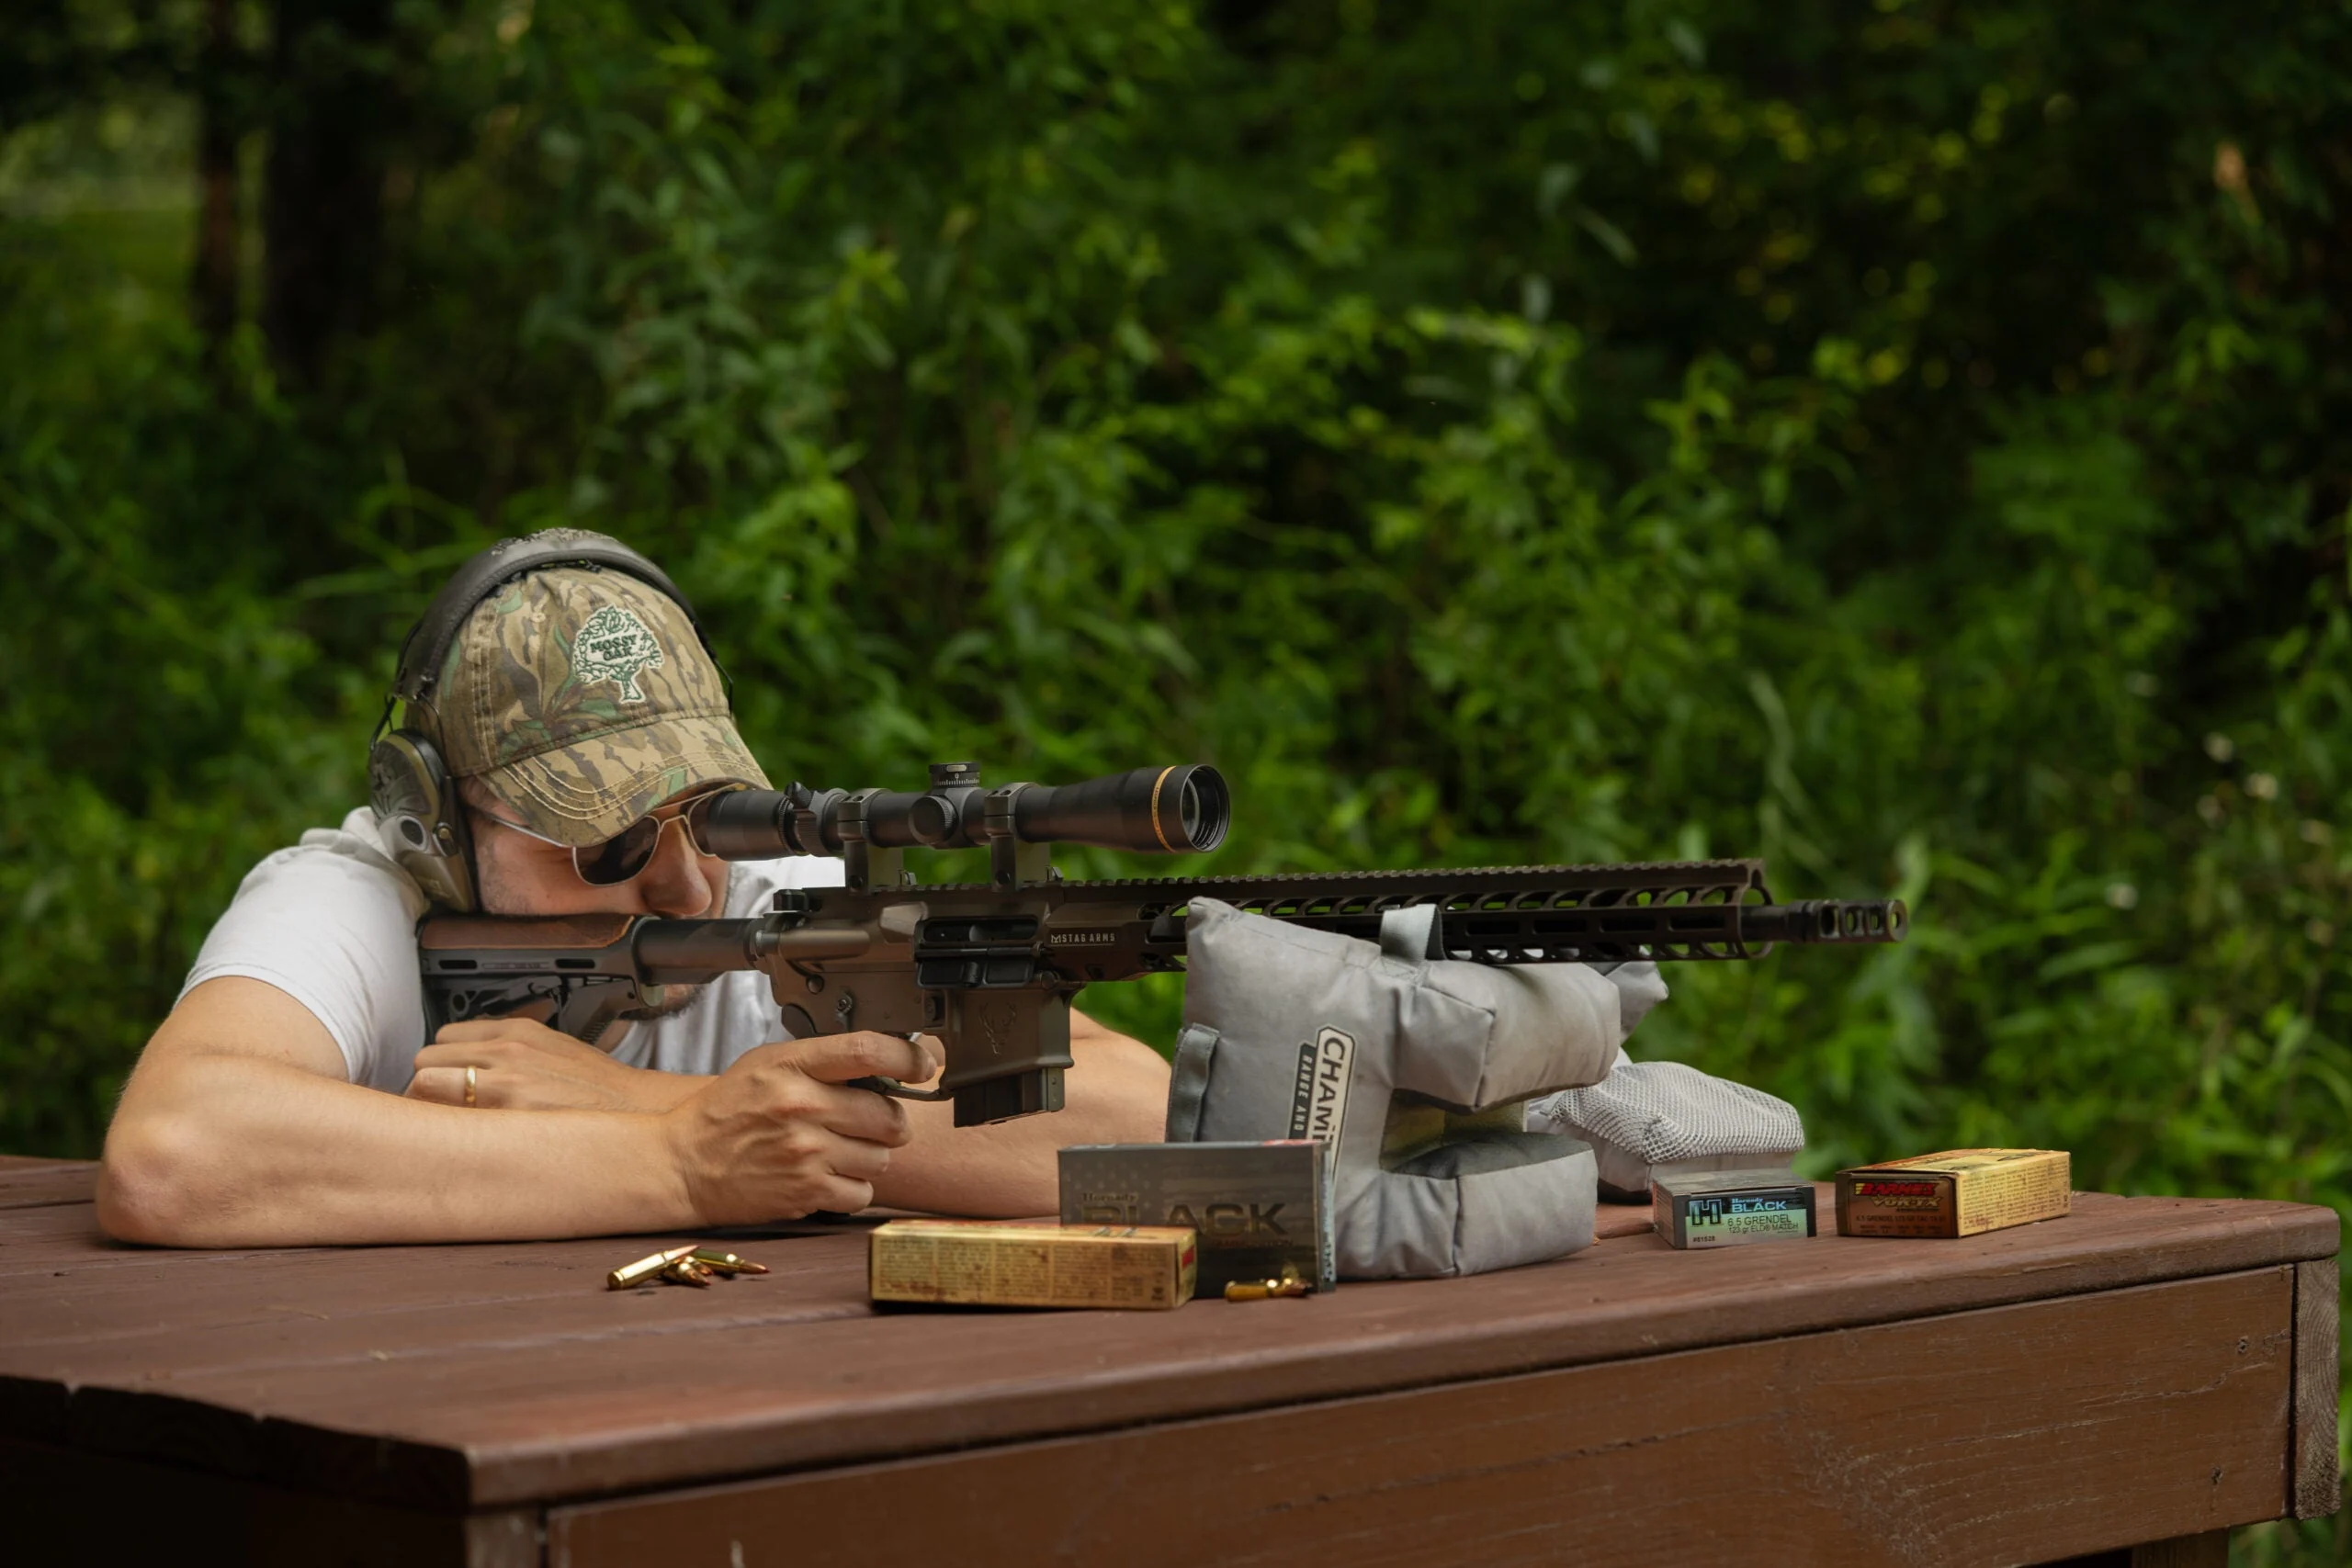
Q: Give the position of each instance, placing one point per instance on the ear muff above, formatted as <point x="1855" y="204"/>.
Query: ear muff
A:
<point x="423" y="820"/>
<point x="414" y="798"/>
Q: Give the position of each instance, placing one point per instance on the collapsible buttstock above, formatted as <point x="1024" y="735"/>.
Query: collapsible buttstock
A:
<point x="576" y="973"/>
<point x="512" y="933"/>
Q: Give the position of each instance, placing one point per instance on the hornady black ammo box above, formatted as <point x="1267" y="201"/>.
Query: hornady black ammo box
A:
<point x="1255" y="1206"/>
<point x="1697" y="1209"/>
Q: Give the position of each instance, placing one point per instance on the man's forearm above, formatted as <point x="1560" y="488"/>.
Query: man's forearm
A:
<point x="221" y="1150"/>
<point x="1117" y="1094"/>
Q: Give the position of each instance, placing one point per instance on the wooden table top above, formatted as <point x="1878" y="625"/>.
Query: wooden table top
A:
<point x="473" y="1377"/>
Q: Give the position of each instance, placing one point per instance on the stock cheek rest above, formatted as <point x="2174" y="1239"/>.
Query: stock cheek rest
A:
<point x="1414" y="1071"/>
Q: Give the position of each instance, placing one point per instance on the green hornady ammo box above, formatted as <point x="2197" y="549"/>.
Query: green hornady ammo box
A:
<point x="1255" y="1206"/>
<point x="1699" y="1209"/>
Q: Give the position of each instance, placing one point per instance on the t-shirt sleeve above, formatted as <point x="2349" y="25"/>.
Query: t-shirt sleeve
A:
<point x="806" y="871"/>
<point x="334" y="927"/>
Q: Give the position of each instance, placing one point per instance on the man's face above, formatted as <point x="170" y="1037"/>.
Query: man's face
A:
<point x="519" y="875"/>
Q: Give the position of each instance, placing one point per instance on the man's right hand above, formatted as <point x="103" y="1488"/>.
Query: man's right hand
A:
<point x="778" y="1134"/>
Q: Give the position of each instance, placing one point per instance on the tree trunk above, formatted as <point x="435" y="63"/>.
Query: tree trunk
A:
<point x="323" y="214"/>
<point x="216" y="159"/>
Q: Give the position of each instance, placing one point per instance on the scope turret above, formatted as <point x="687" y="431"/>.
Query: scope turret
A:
<point x="1178" y="809"/>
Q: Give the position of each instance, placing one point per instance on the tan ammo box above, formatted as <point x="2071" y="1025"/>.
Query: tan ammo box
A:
<point x="982" y="1263"/>
<point x="1957" y="1193"/>
<point x="1258" y="1208"/>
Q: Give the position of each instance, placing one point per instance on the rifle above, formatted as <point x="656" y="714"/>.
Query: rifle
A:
<point x="990" y="967"/>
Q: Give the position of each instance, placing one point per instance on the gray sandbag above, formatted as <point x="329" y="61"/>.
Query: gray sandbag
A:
<point x="1646" y="1116"/>
<point x="1415" y="1071"/>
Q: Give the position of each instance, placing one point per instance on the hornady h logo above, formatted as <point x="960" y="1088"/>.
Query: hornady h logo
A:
<point x="1318" y="1105"/>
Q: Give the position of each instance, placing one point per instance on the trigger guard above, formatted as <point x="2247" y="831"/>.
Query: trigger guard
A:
<point x="897" y="1090"/>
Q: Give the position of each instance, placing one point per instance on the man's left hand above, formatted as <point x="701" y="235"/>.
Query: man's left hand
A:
<point x="522" y="1066"/>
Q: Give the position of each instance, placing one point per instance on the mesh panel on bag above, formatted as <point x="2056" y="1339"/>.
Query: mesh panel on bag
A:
<point x="1661" y="1112"/>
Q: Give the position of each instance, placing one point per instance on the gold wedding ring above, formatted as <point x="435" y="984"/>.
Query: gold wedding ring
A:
<point x="470" y="1088"/>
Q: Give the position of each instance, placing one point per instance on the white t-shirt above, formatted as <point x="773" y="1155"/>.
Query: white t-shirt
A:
<point x="332" y="922"/>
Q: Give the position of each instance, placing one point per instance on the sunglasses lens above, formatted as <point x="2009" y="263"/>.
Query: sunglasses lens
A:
<point x="619" y="857"/>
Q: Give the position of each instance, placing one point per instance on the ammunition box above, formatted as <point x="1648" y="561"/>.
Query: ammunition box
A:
<point x="1255" y="1206"/>
<point x="1699" y="1209"/>
<point x="980" y="1263"/>
<point x="1957" y="1193"/>
<point x="1782" y="1166"/>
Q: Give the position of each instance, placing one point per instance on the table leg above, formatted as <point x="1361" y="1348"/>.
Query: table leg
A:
<point x="98" y="1510"/>
<point x="2210" y="1550"/>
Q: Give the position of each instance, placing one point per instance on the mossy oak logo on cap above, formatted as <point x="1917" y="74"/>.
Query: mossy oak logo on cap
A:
<point x="615" y="646"/>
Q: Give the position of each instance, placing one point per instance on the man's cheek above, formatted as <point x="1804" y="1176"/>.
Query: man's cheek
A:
<point x="525" y="884"/>
<point x="491" y="891"/>
<point x="505" y="888"/>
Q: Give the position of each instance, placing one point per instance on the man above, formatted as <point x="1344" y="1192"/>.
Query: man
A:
<point x="292" y="1097"/>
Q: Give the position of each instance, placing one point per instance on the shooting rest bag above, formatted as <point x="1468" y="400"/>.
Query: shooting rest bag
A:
<point x="1417" y="1072"/>
<point x="1651" y="1115"/>
<point x="1412" y="1070"/>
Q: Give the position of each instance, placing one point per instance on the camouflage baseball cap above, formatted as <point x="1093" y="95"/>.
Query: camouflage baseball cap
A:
<point x="583" y="699"/>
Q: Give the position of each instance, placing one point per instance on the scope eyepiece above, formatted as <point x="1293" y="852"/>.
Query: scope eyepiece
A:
<point x="1182" y="808"/>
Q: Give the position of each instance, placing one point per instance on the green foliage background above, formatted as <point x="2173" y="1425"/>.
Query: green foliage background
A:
<point x="1903" y="440"/>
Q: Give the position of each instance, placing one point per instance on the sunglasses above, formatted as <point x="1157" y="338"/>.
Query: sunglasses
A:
<point x="613" y="861"/>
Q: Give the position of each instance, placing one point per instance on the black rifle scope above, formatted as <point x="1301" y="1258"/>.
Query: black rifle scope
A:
<point x="1177" y="809"/>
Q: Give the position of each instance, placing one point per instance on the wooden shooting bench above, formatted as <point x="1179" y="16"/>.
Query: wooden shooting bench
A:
<point x="2121" y="1386"/>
